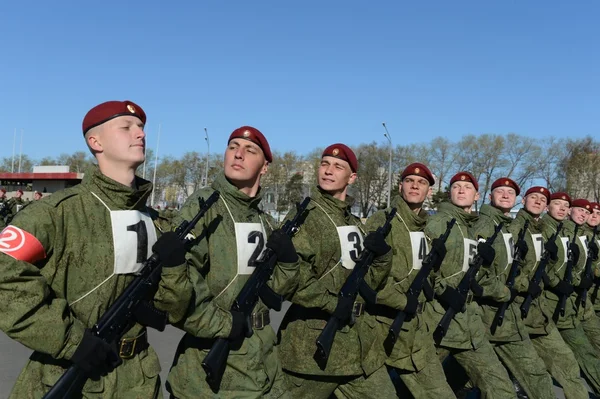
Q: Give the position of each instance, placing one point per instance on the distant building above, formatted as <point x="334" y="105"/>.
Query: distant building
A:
<point x="45" y="179"/>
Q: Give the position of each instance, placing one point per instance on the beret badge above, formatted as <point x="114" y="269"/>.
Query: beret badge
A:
<point x="246" y="133"/>
<point x="131" y="108"/>
<point x="417" y="170"/>
<point x="335" y="152"/>
<point x="463" y="177"/>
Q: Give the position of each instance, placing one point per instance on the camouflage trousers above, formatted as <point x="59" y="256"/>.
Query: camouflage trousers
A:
<point x="585" y="353"/>
<point x="484" y="369"/>
<point x="377" y="385"/>
<point x="528" y="368"/>
<point x="591" y="326"/>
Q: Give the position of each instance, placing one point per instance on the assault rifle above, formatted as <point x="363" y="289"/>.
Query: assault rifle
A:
<point x="562" y="301"/>
<point x="463" y="289"/>
<point x="512" y="275"/>
<point x="216" y="360"/>
<point x="431" y="262"/>
<point x="587" y="271"/>
<point x="539" y="272"/>
<point x="119" y="318"/>
<point x="353" y="284"/>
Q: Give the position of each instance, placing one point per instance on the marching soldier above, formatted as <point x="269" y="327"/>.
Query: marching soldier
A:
<point x="4" y="208"/>
<point x="228" y="240"/>
<point x="465" y="338"/>
<point x="511" y="339"/>
<point x="67" y="258"/>
<point x="594" y="223"/>
<point x="413" y="356"/>
<point x="329" y="243"/>
<point x="557" y="286"/>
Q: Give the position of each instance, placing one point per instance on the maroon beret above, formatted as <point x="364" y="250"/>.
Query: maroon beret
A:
<point x="595" y="206"/>
<point x="3" y="190"/>
<point x="581" y="203"/>
<point x="20" y="191"/>
<point x="539" y="189"/>
<point x="110" y="110"/>
<point x="506" y="182"/>
<point x="254" y="135"/>
<point x="465" y="176"/>
<point x="418" y="169"/>
<point x="561" y="196"/>
<point x="342" y="152"/>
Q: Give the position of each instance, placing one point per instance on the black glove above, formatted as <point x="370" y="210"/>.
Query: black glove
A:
<point x="586" y="283"/>
<point x="240" y="326"/>
<point x="522" y="249"/>
<point x="428" y="291"/>
<point x="597" y="280"/>
<point x="411" y="304"/>
<point x="170" y="249"/>
<point x="513" y="294"/>
<point x="452" y="299"/>
<point x="552" y="250"/>
<point x="375" y="242"/>
<point x="574" y="248"/>
<point x="487" y="253"/>
<point x="593" y="248"/>
<point x="564" y="288"/>
<point x="343" y="309"/>
<point x="439" y="248"/>
<point x="94" y="356"/>
<point x="534" y="290"/>
<point x="546" y="279"/>
<point x="283" y="246"/>
<point x="476" y="288"/>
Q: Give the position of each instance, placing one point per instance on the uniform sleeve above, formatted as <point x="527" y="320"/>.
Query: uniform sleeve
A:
<point x="492" y="279"/>
<point x="32" y="313"/>
<point x="434" y="228"/>
<point x="284" y="280"/>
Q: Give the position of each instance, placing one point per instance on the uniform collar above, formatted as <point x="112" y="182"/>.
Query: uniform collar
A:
<point x="231" y="192"/>
<point x="494" y="214"/>
<point x="414" y="221"/>
<point x="460" y="214"/>
<point x="117" y="195"/>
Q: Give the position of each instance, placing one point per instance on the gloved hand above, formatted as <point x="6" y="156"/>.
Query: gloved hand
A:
<point x="487" y="253"/>
<point x="94" y="356"/>
<point x="453" y="299"/>
<point x="522" y="249"/>
<point x="545" y="279"/>
<point x="552" y="250"/>
<point x="283" y="246"/>
<point x="343" y="309"/>
<point x="412" y="303"/>
<point x="240" y="326"/>
<point x="375" y="242"/>
<point x="574" y="248"/>
<point x="534" y="290"/>
<point x="586" y="283"/>
<point x="170" y="249"/>
<point x="513" y="294"/>
<point x="564" y="288"/>
<point x="476" y="288"/>
<point x="593" y="248"/>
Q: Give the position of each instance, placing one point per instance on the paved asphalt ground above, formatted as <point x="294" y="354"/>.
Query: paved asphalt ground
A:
<point x="13" y="355"/>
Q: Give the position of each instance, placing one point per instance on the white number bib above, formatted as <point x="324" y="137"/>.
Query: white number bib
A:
<point x="19" y="207"/>
<point x="538" y="244"/>
<point x="565" y="243"/>
<point x="351" y="245"/>
<point x="470" y="250"/>
<point x="420" y="249"/>
<point x="133" y="237"/>
<point x="510" y="246"/>
<point x="250" y="243"/>
<point x="584" y="240"/>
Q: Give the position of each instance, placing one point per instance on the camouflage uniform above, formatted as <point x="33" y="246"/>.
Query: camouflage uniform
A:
<point x="547" y="341"/>
<point x="511" y="340"/>
<point x="588" y="318"/>
<point x="46" y="306"/>
<point x="465" y="338"/>
<point x="322" y="274"/>
<point x="413" y="356"/>
<point x="4" y="211"/>
<point x="569" y="325"/>
<point x="215" y="277"/>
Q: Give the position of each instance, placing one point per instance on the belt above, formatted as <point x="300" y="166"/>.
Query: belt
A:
<point x="358" y="308"/>
<point x="469" y="298"/>
<point x="129" y="347"/>
<point x="260" y="319"/>
<point x="301" y="313"/>
<point x="391" y="313"/>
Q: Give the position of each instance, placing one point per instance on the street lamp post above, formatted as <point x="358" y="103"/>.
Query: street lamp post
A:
<point x="207" y="156"/>
<point x="387" y="136"/>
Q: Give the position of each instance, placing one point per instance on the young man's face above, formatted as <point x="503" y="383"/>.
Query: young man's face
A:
<point x="121" y="140"/>
<point x="37" y="196"/>
<point x="335" y="175"/>
<point x="503" y="198"/>
<point x="463" y="194"/>
<point x="579" y="215"/>
<point x="244" y="161"/>
<point x="19" y="194"/>
<point x="594" y="219"/>
<point x="558" y="209"/>
<point x="535" y="203"/>
<point x="414" y="189"/>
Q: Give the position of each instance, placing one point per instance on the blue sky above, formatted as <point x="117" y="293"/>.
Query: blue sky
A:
<point x="306" y="73"/>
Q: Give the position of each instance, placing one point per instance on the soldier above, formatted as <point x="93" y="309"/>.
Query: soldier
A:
<point x="37" y="196"/>
<point x="556" y="286"/>
<point x="557" y="356"/>
<point x="589" y="321"/>
<point x="465" y="338"/>
<point x="511" y="339"/>
<point x="413" y="356"/>
<point x="68" y="257"/>
<point x="4" y="207"/>
<point x="229" y="238"/>
<point x="16" y="202"/>
<point x="593" y="223"/>
<point x="329" y="243"/>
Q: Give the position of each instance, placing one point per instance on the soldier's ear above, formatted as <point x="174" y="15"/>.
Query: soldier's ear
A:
<point x="352" y="178"/>
<point x="265" y="168"/>
<point x="477" y="196"/>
